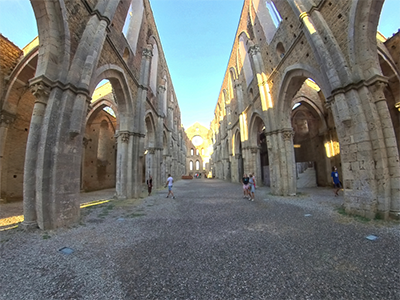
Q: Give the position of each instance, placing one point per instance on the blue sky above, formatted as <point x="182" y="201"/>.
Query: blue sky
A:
<point x="197" y="37"/>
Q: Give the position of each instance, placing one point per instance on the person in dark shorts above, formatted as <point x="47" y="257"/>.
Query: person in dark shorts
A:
<point x="149" y="184"/>
<point x="245" y="181"/>
<point x="335" y="180"/>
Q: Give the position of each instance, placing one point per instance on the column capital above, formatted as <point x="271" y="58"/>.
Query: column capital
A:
<point x="377" y="89"/>
<point x="161" y="89"/>
<point x="41" y="91"/>
<point x="253" y="50"/>
<point x="147" y="53"/>
<point x="287" y="134"/>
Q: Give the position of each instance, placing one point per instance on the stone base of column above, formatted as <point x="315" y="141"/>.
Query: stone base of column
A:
<point x="28" y="225"/>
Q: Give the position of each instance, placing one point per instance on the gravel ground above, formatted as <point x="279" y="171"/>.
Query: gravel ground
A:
<point x="208" y="243"/>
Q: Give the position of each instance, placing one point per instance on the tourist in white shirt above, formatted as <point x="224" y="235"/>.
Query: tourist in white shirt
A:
<point x="169" y="183"/>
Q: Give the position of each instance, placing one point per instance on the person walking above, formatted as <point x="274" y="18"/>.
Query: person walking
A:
<point x="169" y="183"/>
<point x="149" y="184"/>
<point x="245" y="181"/>
<point x="251" y="187"/>
<point x="335" y="180"/>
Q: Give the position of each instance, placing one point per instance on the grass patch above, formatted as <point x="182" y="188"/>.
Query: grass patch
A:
<point x="46" y="236"/>
<point x="136" y="215"/>
<point x="361" y="219"/>
<point x="341" y="211"/>
<point x="106" y="210"/>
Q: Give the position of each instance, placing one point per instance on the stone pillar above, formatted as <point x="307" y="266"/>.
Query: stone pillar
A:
<point x="282" y="162"/>
<point x="261" y="78"/>
<point x="227" y="169"/>
<point x="85" y="142"/>
<point x="239" y="95"/>
<point x="291" y="178"/>
<point x="122" y="167"/>
<point x="143" y="88"/>
<point x="41" y="92"/>
<point x="234" y="168"/>
<point x="255" y="167"/>
<point x="162" y="98"/>
<point x="157" y="176"/>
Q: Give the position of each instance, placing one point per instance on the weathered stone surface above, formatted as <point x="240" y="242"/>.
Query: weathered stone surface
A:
<point x="348" y="115"/>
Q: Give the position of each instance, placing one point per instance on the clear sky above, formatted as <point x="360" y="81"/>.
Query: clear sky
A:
<point x="197" y="38"/>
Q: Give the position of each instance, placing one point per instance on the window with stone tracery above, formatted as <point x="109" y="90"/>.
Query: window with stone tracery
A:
<point x="191" y="166"/>
<point x="133" y="22"/>
<point x="197" y="165"/>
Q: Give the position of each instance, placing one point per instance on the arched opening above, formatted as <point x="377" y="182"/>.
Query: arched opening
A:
<point x="100" y="148"/>
<point x="16" y="113"/>
<point x="149" y="166"/>
<point x="316" y="145"/>
<point x="280" y="50"/>
<point x="392" y="93"/>
<point x="126" y="55"/>
<point x="238" y="169"/>
<point x="260" y="167"/>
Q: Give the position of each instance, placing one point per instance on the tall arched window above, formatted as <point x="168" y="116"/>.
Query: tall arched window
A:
<point x="191" y="151"/>
<point x="133" y="22"/>
<point x="273" y="12"/>
<point x="197" y="165"/>
<point x="230" y="86"/>
<point x="153" y="69"/>
<point x="165" y="104"/>
<point x="197" y="151"/>
<point x="191" y="166"/>
<point x="268" y="16"/>
<point x="244" y="57"/>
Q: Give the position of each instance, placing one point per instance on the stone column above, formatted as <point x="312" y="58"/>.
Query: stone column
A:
<point x="85" y="142"/>
<point x="41" y="92"/>
<point x="162" y="98"/>
<point x="234" y="168"/>
<point x="261" y="78"/>
<point x="122" y="168"/>
<point x="239" y="95"/>
<point x="291" y="177"/>
<point x="227" y="169"/>
<point x="170" y="118"/>
<point x="388" y="154"/>
<point x="143" y="88"/>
